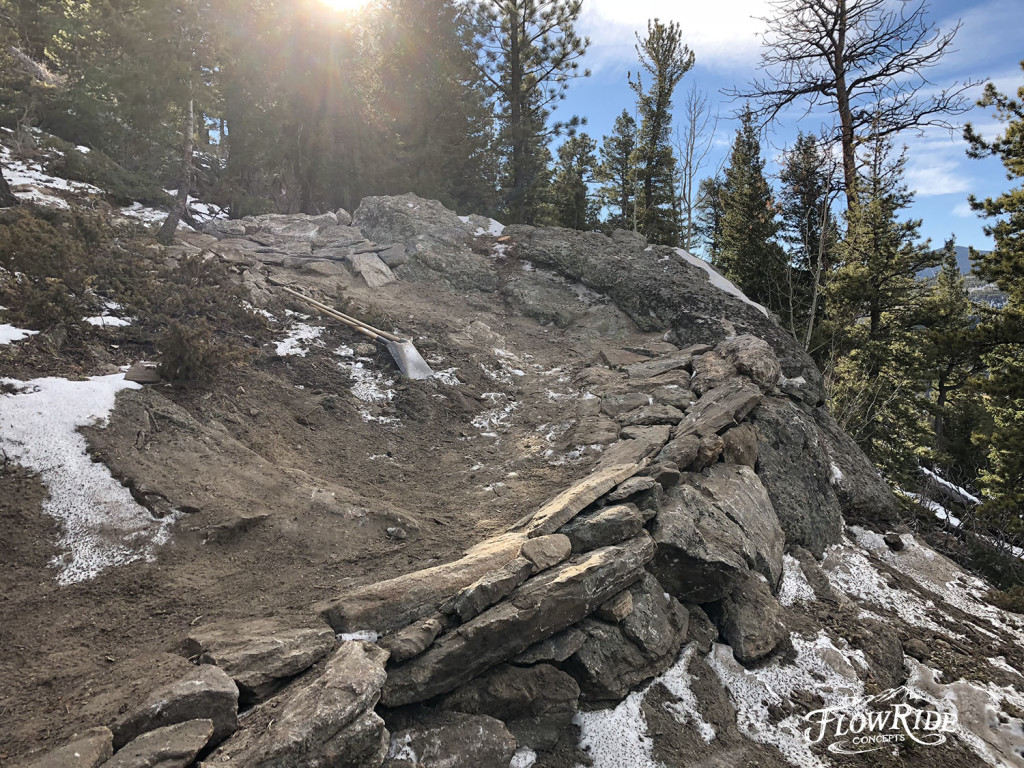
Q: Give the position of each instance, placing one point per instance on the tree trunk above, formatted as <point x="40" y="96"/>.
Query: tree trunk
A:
<point x="517" y="205"/>
<point x="170" y="226"/>
<point x="846" y="131"/>
<point x="7" y="198"/>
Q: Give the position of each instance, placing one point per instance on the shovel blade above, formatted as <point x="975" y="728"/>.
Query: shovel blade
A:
<point x="409" y="361"/>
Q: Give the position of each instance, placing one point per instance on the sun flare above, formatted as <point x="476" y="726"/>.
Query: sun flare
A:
<point x="345" y="5"/>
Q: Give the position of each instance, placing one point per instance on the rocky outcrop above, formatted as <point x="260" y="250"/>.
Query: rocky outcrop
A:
<point x="174" y="746"/>
<point x="326" y="720"/>
<point x="89" y="750"/>
<point x="442" y="739"/>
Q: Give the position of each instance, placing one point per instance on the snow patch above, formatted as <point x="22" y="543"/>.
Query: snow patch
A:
<point x="102" y="526"/>
<point x="9" y="334"/>
<point x="686" y="709"/>
<point x="109" y="321"/>
<point x="366" y="635"/>
<point x="794" y="587"/>
<point x="298" y="340"/>
<point x="835" y="474"/>
<point x="720" y="282"/>
<point x="369" y="387"/>
<point x="523" y="758"/>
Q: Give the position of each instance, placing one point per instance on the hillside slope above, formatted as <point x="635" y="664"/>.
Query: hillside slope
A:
<point x="614" y="528"/>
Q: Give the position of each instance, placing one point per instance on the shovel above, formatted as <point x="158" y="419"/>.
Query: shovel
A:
<point x="410" y="362"/>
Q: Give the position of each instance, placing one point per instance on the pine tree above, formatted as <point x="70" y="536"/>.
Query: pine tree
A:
<point x="570" y="192"/>
<point x="748" y="253"/>
<point x="874" y="359"/>
<point x="618" y="173"/>
<point x="809" y="232"/>
<point x="665" y="58"/>
<point x="530" y="53"/>
<point x="709" y="216"/>
<point x="1004" y="480"/>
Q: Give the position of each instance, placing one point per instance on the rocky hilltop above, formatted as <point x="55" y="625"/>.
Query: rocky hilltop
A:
<point x="617" y="527"/>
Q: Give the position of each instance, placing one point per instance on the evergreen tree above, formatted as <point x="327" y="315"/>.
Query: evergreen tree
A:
<point x="1004" y="480"/>
<point x="665" y="58"/>
<point x="530" y="53"/>
<point x="709" y="216"/>
<point x="748" y="253"/>
<point x="809" y="232"/>
<point x="875" y="360"/>
<point x="618" y="174"/>
<point x="570" y="193"/>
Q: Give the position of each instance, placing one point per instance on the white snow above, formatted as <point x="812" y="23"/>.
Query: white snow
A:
<point x="8" y="333"/>
<point x="108" y="321"/>
<point x="835" y="476"/>
<point x="498" y="417"/>
<point x="101" y="525"/>
<point x="370" y="387"/>
<point x="958" y="492"/>
<point x="719" y="281"/>
<point x="401" y="749"/>
<point x="28" y="181"/>
<point x="366" y="635"/>
<point x="686" y="709"/>
<point x="615" y="738"/>
<point x="298" y="340"/>
<point x="794" y="587"/>
<point x="820" y="666"/>
<point x="523" y="758"/>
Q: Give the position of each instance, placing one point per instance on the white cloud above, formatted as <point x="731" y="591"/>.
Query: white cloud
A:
<point x="931" y="175"/>
<point x="963" y="210"/>
<point x="722" y="34"/>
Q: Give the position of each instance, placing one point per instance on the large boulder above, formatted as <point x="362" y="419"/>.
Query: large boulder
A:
<point x="752" y="357"/>
<point x="660" y="288"/>
<point x="438" y="242"/>
<point x="207" y="693"/>
<point x="451" y="739"/>
<point x="749" y="619"/>
<point x="604" y="526"/>
<point x="259" y="655"/>
<point x="617" y="657"/>
<point x="327" y="720"/>
<point x="711" y="530"/>
<point x="796" y="470"/>
<point x="536" y="703"/>
<point x="545" y="605"/>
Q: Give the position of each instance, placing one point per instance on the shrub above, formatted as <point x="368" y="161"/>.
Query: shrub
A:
<point x="190" y="353"/>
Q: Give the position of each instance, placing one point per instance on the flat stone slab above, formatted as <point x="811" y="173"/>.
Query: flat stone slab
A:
<point x="720" y="408"/>
<point x="259" y="655"/>
<point x="681" y="359"/>
<point x="545" y="605"/>
<point x="174" y="746"/>
<point x="375" y="272"/>
<point x="89" y="749"/>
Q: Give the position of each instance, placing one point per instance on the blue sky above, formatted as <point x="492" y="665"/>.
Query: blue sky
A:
<point x="724" y="35"/>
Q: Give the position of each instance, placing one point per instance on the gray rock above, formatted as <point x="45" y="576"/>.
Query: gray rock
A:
<point x="709" y="450"/>
<point x="337" y="238"/>
<point x="259" y="655"/>
<point x="547" y="551"/>
<point x="491" y="588"/>
<point x="374" y="271"/>
<point x="222" y="228"/>
<point x="327" y="720"/>
<point x="536" y="703"/>
<point x="556" y="648"/>
<point x="613" y="405"/>
<point x="665" y="473"/>
<point x="630" y="488"/>
<point x="681" y="451"/>
<point x="595" y="430"/>
<point x="205" y="693"/>
<point x="674" y="395"/>
<point x="737" y="491"/>
<point x="795" y="469"/>
<point x="719" y="409"/>
<point x="739" y="445"/>
<point x="387" y="606"/>
<point x="636" y="444"/>
<point x="545" y="605"/>
<point x="89" y="749"/>
<point x="618" y="657"/>
<point x="411" y="641"/>
<point x="711" y="370"/>
<point x="617" y="608"/>
<point x="750" y="620"/>
<point x="651" y="415"/>
<point x="681" y="359"/>
<point x="449" y="740"/>
<point x="143" y="373"/>
<point x="752" y="357"/>
<point x="344" y="217"/>
<point x="174" y="746"/>
<point x="394" y="256"/>
<point x="439" y="243"/>
<point x="323" y="268"/>
<point x="603" y="527"/>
